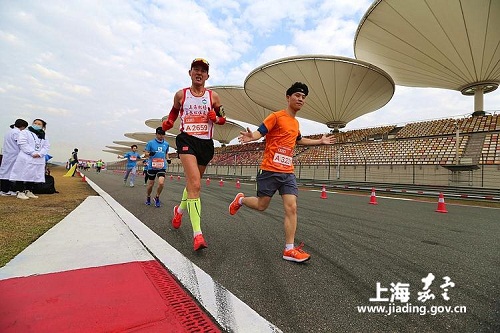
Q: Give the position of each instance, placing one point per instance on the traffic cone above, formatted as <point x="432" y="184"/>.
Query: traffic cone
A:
<point x="171" y="177"/>
<point x="208" y="180"/>
<point x="83" y="178"/>
<point x="178" y="177"/>
<point x="323" y="193"/>
<point x="221" y="183"/>
<point x="441" y="205"/>
<point x="373" y="198"/>
<point x="238" y="185"/>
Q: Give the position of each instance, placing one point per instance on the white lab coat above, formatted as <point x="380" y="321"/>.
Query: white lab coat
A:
<point x="26" y="167"/>
<point x="9" y="152"/>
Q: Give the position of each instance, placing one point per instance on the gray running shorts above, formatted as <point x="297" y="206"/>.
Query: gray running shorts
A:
<point x="268" y="182"/>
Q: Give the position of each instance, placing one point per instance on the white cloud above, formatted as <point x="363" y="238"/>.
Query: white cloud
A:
<point x="330" y="36"/>
<point x="274" y="52"/>
<point x="267" y="16"/>
<point x="48" y="73"/>
<point x="8" y="37"/>
<point x="78" y="89"/>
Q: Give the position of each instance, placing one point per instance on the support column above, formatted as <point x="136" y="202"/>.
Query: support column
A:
<point x="479" y="99"/>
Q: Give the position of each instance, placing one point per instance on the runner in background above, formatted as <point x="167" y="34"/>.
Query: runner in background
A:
<point x="145" y="171"/>
<point x="157" y="150"/>
<point x="132" y="158"/>
<point x="98" y="165"/>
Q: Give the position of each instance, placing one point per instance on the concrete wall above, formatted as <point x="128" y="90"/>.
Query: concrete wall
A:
<point x="418" y="174"/>
<point x="487" y="176"/>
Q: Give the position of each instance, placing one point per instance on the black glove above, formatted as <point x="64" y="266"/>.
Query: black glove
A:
<point x="169" y="161"/>
<point x="152" y="153"/>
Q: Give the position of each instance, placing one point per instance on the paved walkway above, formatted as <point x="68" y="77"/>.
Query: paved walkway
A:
<point x="102" y="270"/>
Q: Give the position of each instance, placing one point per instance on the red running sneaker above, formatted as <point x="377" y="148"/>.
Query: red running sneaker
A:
<point x="177" y="219"/>
<point x="296" y="254"/>
<point x="235" y="204"/>
<point x="199" y="242"/>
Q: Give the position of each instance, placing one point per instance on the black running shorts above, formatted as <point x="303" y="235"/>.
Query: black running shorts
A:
<point x="202" y="149"/>
<point x="153" y="173"/>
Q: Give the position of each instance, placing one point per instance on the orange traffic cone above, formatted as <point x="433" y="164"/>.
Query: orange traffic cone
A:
<point x="178" y="177"/>
<point x="171" y="177"/>
<point x="221" y="183"/>
<point x="238" y="185"/>
<point x="83" y="178"/>
<point x="323" y="193"/>
<point x="373" y="198"/>
<point x="208" y="180"/>
<point x="441" y="205"/>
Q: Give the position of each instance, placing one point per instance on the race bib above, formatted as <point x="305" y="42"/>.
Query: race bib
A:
<point x="158" y="163"/>
<point x="196" y="125"/>
<point x="283" y="156"/>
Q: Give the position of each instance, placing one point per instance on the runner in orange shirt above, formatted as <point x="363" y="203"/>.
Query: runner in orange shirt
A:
<point x="282" y="133"/>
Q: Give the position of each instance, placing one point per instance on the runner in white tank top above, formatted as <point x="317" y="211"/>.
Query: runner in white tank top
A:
<point x="199" y="109"/>
<point x="194" y="114"/>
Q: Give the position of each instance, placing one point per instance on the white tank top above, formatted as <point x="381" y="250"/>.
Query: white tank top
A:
<point x="193" y="114"/>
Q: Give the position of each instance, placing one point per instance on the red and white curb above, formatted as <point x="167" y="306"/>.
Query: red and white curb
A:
<point x="229" y="311"/>
<point x="90" y="274"/>
<point x="102" y="269"/>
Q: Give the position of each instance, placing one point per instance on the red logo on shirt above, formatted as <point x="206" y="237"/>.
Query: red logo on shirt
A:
<point x="185" y="148"/>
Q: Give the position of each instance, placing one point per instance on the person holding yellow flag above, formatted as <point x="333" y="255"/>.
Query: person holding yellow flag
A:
<point x="73" y="161"/>
<point x="71" y="171"/>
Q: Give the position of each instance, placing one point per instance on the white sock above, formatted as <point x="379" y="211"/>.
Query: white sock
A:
<point x="196" y="233"/>
<point x="180" y="210"/>
<point x="240" y="201"/>
<point x="289" y="246"/>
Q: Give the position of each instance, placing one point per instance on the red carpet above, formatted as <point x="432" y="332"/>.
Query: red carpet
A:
<point x="135" y="296"/>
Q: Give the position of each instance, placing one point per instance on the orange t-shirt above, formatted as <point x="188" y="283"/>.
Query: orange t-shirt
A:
<point x="281" y="136"/>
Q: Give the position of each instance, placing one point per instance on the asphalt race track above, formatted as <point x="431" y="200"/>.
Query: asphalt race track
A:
<point x="353" y="246"/>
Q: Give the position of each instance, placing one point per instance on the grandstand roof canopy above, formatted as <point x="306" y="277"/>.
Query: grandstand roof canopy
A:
<point x="147" y="136"/>
<point x="238" y="106"/>
<point x="340" y="89"/>
<point x="227" y="132"/>
<point x="140" y="145"/>
<point x="125" y="149"/>
<point x="155" y="123"/>
<point x="224" y="134"/>
<point x="121" y="149"/>
<point x="113" y="151"/>
<point x="452" y="44"/>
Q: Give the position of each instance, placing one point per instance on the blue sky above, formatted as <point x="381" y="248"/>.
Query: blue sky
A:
<point x="95" y="70"/>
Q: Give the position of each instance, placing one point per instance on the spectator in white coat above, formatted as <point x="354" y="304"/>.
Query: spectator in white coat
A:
<point x="10" y="151"/>
<point x="29" y="167"/>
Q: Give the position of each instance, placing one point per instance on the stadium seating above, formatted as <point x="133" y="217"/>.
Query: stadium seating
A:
<point x="491" y="149"/>
<point x="428" y="142"/>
